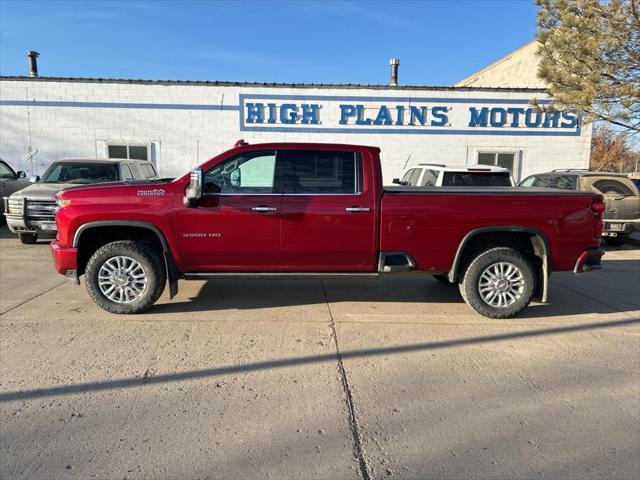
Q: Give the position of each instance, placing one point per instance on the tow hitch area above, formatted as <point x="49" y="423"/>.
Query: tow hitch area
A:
<point x="589" y="260"/>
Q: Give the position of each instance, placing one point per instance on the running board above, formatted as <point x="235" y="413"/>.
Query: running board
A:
<point x="275" y="275"/>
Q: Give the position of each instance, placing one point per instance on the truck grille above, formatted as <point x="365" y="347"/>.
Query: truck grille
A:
<point x="41" y="210"/>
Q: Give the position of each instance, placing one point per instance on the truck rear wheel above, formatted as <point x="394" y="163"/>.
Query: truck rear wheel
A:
<point x="28" y="238"/>
<point x="616" y="241"/>
<point x="498" y="283"/>
<point x="125" y="277"/>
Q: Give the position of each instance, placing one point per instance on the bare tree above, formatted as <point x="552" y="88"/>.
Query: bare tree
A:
<point x="611" y="151"/>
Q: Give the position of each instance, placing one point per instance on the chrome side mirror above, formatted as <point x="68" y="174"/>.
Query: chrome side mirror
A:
<point x="34" y="179"/>
<point x="194" y="191"/>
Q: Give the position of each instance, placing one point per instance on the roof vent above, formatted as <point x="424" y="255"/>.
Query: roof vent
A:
<point x="33" y="63"/>
<point x="395" y="63"/>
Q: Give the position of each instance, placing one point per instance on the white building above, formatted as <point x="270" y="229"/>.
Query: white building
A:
<point x="179" y="124"/>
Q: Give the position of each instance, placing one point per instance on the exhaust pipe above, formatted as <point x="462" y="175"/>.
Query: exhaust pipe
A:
<point x="395" y="63"/>
<point x="33" y="63"/>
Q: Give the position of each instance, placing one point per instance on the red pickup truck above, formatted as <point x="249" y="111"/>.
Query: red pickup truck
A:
<point x="317" y="210"/>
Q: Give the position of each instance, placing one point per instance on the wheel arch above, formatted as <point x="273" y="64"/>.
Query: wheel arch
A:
<point x="539" y="247"/>
<point x="124" y="226"/>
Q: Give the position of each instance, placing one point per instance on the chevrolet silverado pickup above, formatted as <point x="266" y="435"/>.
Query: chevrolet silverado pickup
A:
<point x="316" y="210"/>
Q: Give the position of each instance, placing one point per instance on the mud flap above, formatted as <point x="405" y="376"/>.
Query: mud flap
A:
<point x="542" y="281"/>
<point x="172" y="274"/>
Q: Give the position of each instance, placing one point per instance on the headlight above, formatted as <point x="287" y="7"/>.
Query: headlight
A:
<point x="63" y="202"/>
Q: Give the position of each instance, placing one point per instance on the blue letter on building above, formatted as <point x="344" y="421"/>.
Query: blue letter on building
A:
<point x="346" y="111"/>
<point x="420" y="115"/>
<point x="478" y="118"/>
<point x="439" y="115"/>
<point x="571" y="118"/>
<point x="384" y="117"/>
<point x="310" y="113"/>
<point x="255" y="112"/>
<point x="496" y="113"/>
<point x="288" y="113"/>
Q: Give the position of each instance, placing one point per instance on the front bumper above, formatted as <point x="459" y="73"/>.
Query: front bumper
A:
<point x="65" y="260"/>
<point x="20" y="219"/>
<point x="17" y="224"/>
<point x="589" y="260"/>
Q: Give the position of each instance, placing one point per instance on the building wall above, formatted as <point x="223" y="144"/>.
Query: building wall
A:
<point x="188" y="124"/>
<point x="517" y="69"/>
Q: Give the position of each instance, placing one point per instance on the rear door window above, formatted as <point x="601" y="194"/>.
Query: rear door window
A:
<point x="564" y="182"/>
<point x="323" y="172"/>
<point x="147" y="170"/>
<point x="127" y="174"/>
<point x="429" y="179"/>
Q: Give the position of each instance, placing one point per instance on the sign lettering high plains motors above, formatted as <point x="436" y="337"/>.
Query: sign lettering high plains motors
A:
<point x="402" y="115"/>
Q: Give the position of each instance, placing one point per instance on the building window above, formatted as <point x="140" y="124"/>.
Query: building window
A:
<point x="135" y="152"/>
<point x="506" y="160"/>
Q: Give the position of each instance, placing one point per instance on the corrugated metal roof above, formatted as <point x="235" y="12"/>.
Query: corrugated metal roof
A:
<point x="218" y="83"/>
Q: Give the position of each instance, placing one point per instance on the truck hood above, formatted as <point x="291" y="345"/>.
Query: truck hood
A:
<point x="110" y="185"/>
<point x="40" y="191"/>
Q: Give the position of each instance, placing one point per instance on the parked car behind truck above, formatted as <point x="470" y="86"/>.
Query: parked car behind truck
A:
<point x="621" y="197"/>
<point x="31" y="211"/>
<point x="440" y="175"/>
<point x="316" y="210"/>
<point x="10" y="180"/>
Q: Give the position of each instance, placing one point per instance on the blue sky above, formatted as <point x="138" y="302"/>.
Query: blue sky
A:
<point x="439" y="42"/>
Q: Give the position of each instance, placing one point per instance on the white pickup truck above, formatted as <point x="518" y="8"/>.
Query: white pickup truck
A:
<point x="439" y="175"/>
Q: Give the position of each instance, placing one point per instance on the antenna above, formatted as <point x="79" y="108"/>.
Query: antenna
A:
<point x="405" y="163"/>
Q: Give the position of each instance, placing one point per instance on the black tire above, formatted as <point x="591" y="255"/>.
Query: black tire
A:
<point x="28" y="238"/>
<point x="469" y="287"/>
<point x="147" y="258"/>
<point x="444" y="278"/>
<point x="616" y="241"/>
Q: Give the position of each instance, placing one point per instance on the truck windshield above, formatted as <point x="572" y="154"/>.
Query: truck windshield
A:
<point x="71" y="172"/>
<point x="476" y="179"/>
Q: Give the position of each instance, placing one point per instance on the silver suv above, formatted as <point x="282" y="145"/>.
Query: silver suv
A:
<point x="31" y="211"/>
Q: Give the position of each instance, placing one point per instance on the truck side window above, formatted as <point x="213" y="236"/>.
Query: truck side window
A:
<point x="429" y="178"/>
<point x="323" y="172"/>
<point x="407" y="176"/>
<point x="415" y="177"/>
<point x="251" y="172"/>
<point x="127" y="174"/>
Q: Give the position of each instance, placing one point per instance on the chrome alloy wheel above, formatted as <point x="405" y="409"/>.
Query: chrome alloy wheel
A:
<point x="501" y="284"/>
<point x="122" y="279"/>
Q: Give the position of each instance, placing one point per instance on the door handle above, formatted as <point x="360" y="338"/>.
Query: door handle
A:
<point x="263" y="209"/>
<point x="357" y="209"/>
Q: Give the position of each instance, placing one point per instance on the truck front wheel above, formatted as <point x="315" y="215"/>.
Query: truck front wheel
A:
<point x="125" y="277"/>
<point x="498" y="283"/>
<point x="28" y="238"/>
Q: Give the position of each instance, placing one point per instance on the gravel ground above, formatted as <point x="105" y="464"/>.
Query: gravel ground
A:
<point x="394" y="378"/>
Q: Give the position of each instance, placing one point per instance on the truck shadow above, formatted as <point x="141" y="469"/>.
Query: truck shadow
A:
<point x="614" y="289"/>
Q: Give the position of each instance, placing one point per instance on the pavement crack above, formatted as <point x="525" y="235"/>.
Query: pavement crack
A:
<point x="351" y="408"/>
<point x="34" y="297"/>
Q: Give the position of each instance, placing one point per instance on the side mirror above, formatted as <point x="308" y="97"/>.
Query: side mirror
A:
<point x="34" y="179"/>
<point x="21" y="174"/>
<point x="194" y="191"/>
<point x="396" y="181"/>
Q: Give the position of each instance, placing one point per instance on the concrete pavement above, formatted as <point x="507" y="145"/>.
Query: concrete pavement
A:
<point x="308" y="379"/>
